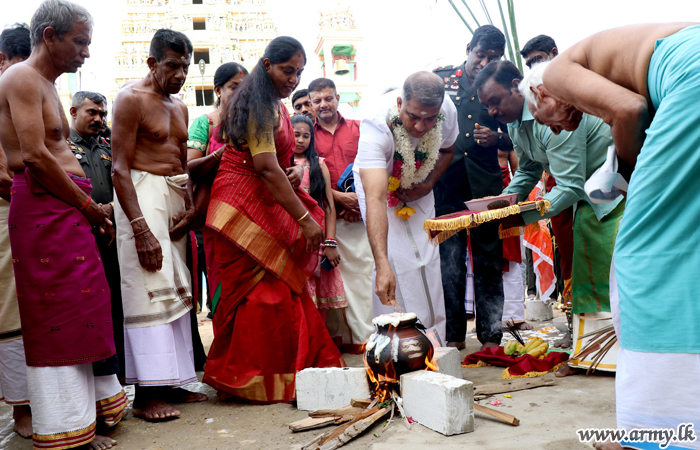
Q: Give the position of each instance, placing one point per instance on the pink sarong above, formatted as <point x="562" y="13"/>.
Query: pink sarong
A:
<point x="63" y="295"/>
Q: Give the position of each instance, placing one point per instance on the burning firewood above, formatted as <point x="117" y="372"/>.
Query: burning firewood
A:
<point x="344" y="433"/>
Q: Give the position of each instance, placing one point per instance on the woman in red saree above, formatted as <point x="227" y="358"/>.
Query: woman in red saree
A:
<point x="266" y="237"/>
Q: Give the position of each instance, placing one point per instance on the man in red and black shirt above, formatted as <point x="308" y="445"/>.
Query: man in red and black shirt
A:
<point x="336" y="140"/>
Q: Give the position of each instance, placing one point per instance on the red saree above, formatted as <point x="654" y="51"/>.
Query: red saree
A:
<point x="267" y="326"/>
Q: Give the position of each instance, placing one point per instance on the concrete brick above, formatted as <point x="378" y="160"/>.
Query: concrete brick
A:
<point x="448" y="361"/>
<point x="438" y="401"/>
<point x="330" y="388"/>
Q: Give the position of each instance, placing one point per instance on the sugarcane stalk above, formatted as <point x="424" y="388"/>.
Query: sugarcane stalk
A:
<point x="461" y="16"/>
<point x="505" y="31"/>
<point x="514" y="33"/>
<point x="470" y="12"/>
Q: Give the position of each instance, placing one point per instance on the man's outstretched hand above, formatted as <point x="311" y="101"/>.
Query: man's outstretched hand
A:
<point x="386" y="284"/>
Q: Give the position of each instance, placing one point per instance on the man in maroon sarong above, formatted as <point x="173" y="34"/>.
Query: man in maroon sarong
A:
<point x="61" y="287"/>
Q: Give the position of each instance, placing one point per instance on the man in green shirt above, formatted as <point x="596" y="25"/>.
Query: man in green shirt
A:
<point x="571" y="158"/>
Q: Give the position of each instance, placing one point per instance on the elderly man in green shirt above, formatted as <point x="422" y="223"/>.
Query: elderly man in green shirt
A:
<point x="571" y="158"/>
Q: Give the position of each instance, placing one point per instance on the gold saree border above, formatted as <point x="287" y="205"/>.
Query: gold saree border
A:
<point x="258" y="243"/>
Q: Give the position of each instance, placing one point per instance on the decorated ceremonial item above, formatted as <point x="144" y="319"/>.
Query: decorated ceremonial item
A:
<point x="444" y="227"/>
<point x="412" y="164"/>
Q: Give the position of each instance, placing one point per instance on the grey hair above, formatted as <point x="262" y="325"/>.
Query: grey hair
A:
<point x="95" y="97"/>
<point x="61" y="15"/>
<point x="425" y="87"/>
<point x="532" y="79"/>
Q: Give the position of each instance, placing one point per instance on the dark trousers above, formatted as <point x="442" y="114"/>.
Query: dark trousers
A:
<point x="110" y="262"/>
<point x="487" y="250"/>
<point x="200" y="357"/>
<point x="530" y="273"/>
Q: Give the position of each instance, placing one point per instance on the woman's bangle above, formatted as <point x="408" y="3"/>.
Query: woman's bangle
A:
<point x="216" y="155"/>
<point x="142" y="232"/>
<point x="86" y="203"/>
<point x="136" y="220"/>
<point x="303" y="217"/>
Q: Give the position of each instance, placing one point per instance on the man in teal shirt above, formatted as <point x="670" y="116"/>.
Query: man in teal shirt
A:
<point x="571" y="158"/>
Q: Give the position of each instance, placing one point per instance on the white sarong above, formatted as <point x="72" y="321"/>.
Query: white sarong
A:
<point x="514" y="294"/>
<point x="66" y="402"/>
<point x="356" y="264"/>
<point x="154" y="298"/>
<point x="13" y="373"/>
<point x="416" y="266"/>
<point x="10" y="327"/>
<point x="654" y="390"/>
<point x="160" y="355"/>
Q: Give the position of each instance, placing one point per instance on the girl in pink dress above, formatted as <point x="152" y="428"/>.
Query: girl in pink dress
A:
<point x="325" y="286"/>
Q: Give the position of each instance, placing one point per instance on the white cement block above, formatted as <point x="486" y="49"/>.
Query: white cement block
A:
<point x="330" y="388"/>
<point x="438" y="401"/>
<point x="537" y="310"/>
<point x="448" y="361"/>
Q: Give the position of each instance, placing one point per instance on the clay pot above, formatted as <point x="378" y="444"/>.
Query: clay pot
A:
<point x="393" y="351"/>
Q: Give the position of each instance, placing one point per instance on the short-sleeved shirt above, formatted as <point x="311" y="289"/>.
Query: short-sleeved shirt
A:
<point x="571" y="157"/>
<point x="338" y="148"/>
<point x="376" y="147"/>
<point x="95" y="157"/>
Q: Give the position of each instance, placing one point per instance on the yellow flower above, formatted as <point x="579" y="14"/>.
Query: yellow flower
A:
<point x="394" y="184"/>
<point x="405" y="213"/>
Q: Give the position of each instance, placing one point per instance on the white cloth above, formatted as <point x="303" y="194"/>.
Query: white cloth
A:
<point x="654" y="390"/>
<point x="9" y="308"/>
<point x="414" y="261"/>
<point x="64" y="403"/>
<point x="160" y="355"/>
<point x="13" y="373"/>
<point x="514" y="294"/>
<point x="469" y="291"/>
<point x="154" y="298"/>
<point x="606" y="185"/>
<point x="356" y="263"/>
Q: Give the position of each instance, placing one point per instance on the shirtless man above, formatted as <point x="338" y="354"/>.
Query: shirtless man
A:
<point x="153" y="214"/>
<point x="644" y="81"/>
<point x="15" y="47"/>
<point x="56" y="264"/>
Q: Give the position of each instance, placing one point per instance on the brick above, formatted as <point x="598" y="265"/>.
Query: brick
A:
<point x="448" y="361"/>
<point x="440" y="402"/>
<point x="330" y="388"/>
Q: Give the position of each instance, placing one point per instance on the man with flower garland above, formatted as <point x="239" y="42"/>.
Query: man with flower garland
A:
<point x="404" y="149"/>
<point x="474" y="173"/>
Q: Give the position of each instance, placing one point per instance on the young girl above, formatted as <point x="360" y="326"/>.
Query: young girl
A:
<point x="325" y="287"/>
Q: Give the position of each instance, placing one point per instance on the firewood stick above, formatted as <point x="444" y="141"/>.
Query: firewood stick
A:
<point x="396" y="398"/>
<point x="512" y="386"/>
<point x="360" y="402"/>
<point x="497" y="414"/>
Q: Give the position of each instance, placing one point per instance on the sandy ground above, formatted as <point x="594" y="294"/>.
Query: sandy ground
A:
<point x="549" y="418"/>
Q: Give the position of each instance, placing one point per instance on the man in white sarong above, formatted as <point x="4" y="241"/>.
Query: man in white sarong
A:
<point x="15" y="47"/>
<point x="153" y="211"/>
<point x="414" y="129"/>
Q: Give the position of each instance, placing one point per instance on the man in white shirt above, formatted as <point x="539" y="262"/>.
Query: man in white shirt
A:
<point x="404" y="149"/>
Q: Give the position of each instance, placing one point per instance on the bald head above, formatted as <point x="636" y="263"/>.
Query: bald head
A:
<point x="424" y="87"/>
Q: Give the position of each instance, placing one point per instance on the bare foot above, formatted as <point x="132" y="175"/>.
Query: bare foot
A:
<point x="23" y="420"/>
<point x="154" y="409"/>
<point x="564" y="342"/>
<point x="179" y="395"/>
<point x="566" y="370"/>
<point x="488" y="344"/>
<point x="607" y="446"/>
<point x="102" y="442"/>
<point x="518" y="326"/>
<point x="457" y="345"/>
